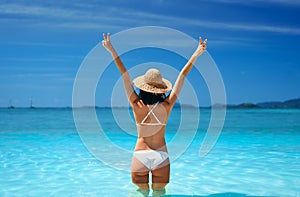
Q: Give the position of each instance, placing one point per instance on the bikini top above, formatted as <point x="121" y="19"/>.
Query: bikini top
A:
<point x="148" y="114"/>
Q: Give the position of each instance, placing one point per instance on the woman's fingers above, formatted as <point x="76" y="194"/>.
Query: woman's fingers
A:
<point x="108" y="36"/>
<point x="202" y="43"/>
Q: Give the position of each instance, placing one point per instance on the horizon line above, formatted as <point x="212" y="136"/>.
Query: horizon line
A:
<point x="176" y="105"/>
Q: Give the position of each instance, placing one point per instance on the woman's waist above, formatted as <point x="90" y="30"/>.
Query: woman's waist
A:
<point x="150" y="144"/>
<point x="151" y="131"/>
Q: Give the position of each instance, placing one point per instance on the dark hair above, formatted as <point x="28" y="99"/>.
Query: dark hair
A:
<point x="149" y="98"/>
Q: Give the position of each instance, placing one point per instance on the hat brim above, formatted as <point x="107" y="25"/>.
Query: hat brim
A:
<point x="141" y="84"/>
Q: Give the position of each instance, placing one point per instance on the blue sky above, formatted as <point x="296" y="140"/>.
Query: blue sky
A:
<point x="254" y="43"/>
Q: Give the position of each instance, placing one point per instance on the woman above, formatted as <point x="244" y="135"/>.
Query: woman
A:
<point x="151" y="108"/>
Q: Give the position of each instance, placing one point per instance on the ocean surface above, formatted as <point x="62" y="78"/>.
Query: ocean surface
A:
<point x="43" y="154"/>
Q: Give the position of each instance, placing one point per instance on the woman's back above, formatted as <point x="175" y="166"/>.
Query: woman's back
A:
<point x="151" y="125"/>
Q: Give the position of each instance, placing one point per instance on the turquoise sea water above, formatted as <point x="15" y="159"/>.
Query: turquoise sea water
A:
<point x="257" y="154"/>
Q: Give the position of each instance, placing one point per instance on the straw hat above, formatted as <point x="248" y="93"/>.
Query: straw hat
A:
<point x="153" y="82"/>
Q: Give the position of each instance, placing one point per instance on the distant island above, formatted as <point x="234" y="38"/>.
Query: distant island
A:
<point x="288" y="104"/>
<point x="293" y="103"/>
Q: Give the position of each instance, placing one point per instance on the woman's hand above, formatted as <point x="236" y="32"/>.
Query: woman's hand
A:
<point x="107" y="44"/>
<point x="201" y="47"/>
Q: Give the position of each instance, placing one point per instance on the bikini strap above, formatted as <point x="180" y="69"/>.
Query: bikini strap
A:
<point x="151" y="112"/>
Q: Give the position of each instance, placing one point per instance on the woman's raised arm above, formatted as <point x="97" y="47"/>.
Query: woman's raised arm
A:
<point x="171" y="99"/>
<point x="131" y="95"/>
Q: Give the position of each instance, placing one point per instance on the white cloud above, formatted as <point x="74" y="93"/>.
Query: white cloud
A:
<point x="248" y="27"/>
<point x="41" y="59"/>
<point x="221" y="24"/>
<point x="58" y="77"/>
<point x="36" y="10"/>
<point x="39" y="44"/>
<point x="254" y="2"/>
<point x="115" y="18"/>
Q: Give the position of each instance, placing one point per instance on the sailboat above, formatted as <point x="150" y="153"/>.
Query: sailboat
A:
<point x="31" y="104"/>
<point x="10" y="104"/>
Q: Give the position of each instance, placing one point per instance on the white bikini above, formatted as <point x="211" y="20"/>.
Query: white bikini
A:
<point x="151" y="123"/>
<point x="151" y="158"/>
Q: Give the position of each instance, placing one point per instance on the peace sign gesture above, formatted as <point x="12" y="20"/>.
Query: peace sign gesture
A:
<point x="106" y="43"/>
<point x="201" y="47"/>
